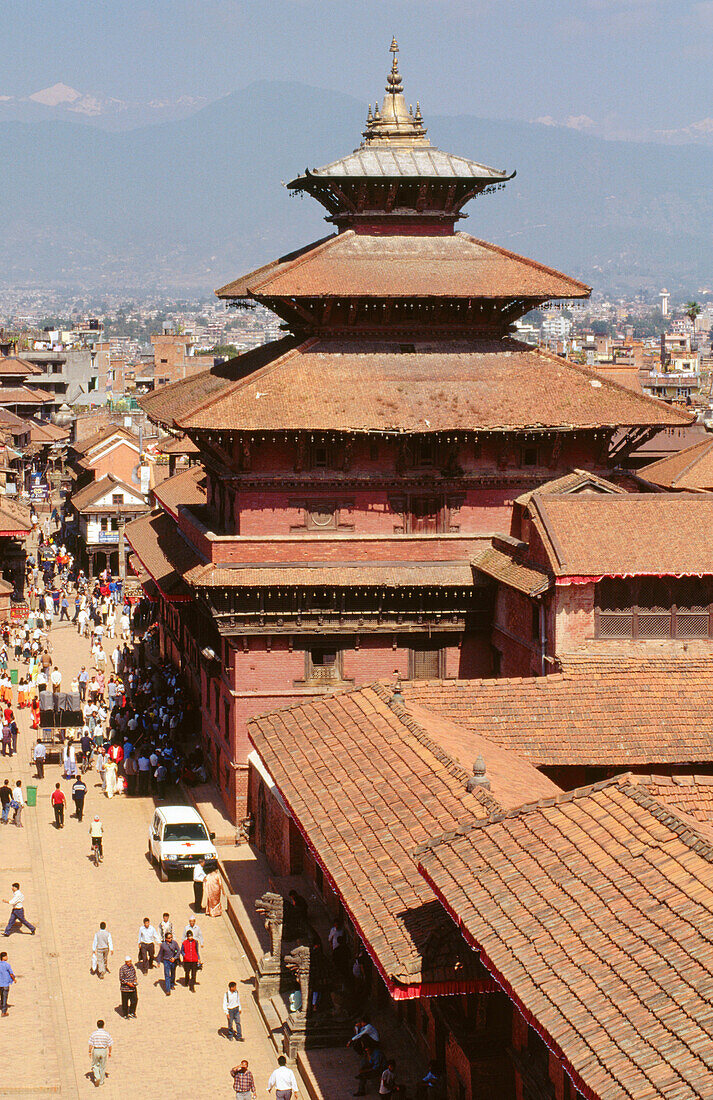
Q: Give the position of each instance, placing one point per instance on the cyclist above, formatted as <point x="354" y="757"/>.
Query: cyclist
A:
<point x="96" y="832"/>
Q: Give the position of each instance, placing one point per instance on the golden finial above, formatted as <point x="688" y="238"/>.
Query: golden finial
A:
<point x="394" y="84"/>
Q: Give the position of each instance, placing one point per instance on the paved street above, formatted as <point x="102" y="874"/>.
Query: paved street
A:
<point x="174" y="1048"/>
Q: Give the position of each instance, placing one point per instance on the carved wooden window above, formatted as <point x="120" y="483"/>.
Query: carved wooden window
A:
<point x="320" y="456"/>
<point x="424" y="451"/>
<point x="323" y="665"/>
<point x="426" y="664"/>
<point x="653" y="608"/>
<point x="529" y="456"/>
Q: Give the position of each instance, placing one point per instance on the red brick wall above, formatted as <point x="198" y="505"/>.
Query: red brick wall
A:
<point x="513" y="635"/>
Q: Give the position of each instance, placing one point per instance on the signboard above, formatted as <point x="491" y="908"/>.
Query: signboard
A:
<point x="19" y="612"/>
<point x="108" y="536"/>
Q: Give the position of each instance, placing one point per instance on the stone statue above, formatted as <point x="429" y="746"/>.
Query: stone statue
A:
<point x="298" y="962"/>
<point x="270" y="906"/>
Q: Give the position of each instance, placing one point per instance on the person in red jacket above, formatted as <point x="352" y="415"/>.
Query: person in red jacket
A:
<point x="190" y="958"/>
<point x="58" y="803"/>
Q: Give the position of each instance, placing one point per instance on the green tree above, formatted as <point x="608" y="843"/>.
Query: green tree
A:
<point x="692" y="310"/>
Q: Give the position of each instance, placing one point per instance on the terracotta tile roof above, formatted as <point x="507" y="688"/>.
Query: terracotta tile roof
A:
<point x="659" y="533"/>
<point x="168" y="404"/>
<point x="615" y="718"/>
<point x="188" y="487"/>
<point x="356" y="264"/>
<point x="361" y="385"/>
<point x="47" y="432"/>
<point x="625" y="376"/>
<point x="23" y="395"/>
<point x="689" y="794"/>
<point x="16" y="366"/>
<point x="509" y="571"/>
<point x="366" y="784"/>
<point x="443" y="574"/>
<point x="691" y="468"/>
<point x="575" y="481"/>
<point x="178" y="445"/>
<point x="83" y="446"/>
<point x="87" y="496"/>
<point x="163" y="552"/>
<point x="595" y="912"/>
<point x="14" y="518"/>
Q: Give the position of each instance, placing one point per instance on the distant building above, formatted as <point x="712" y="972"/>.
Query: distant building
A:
<point x="665" y="299"/>
<point x="174" y="357"/>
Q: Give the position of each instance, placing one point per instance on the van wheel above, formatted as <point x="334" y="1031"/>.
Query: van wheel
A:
<point x="152" y="857"/>
<point x="162" y="873"/>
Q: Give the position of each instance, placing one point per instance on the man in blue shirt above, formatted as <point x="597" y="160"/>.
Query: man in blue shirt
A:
<point x="6" y="979"/>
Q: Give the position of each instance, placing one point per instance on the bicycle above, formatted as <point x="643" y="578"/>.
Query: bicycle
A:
<point x="97" y="855"/>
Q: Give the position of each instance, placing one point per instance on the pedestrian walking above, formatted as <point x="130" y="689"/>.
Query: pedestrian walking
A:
<point x="79" y="793"/>
<point x="102" y="948"/>
<point x="127" y="985"/>
<point x="165" y="926"/>
<point x="199" y="877"/>
<point x="243" y="1081"/>
<point x="195" y="929"/>
<point x="231" y="1008"/>
<point x="7" y="978"/>
<point x="168" y="954"/>
<point x="17" y="911"/>
<point x="100" y="1045"/>
<point x="40" y="755"/>
<point x="17" y="803"/>
<point x="5" y="801"/>
<point x="148" y="938"/>
<point x="282" y="1080"/>
<point x="190" y="957"/>
<point x="58" y="803"/>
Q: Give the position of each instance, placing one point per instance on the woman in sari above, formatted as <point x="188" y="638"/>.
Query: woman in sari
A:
<point x="212" y="894"/>
<point x="70" y="761"/>
<point x="110" y="777"/>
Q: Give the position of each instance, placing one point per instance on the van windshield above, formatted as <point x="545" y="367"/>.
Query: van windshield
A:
<point x="186" y="830"/>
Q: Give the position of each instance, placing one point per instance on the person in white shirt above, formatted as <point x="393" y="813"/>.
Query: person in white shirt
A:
<point x="195" y="929"/>
<point x="282" y="1080"/>
<point x="198" y="880"/>
<point x="19" y="799"/>
<point x="148" y="938"/>
<point x="102" y="948"/>
<point x="17" y="911"/>
<point x="231" y="1008"/>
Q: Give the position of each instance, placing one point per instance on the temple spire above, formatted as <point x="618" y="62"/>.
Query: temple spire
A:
<point x="395" y="123"/>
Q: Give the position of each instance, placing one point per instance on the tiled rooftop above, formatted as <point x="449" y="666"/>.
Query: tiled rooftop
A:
<point x="594" y="910"/>
<point x="370" y="385"/>
<point x="691" y="468"/>
<point x="356" y="264"/>
<point x="656" y="533"/>
<point x="619" y="717"/>
<point x="366" y="783"/>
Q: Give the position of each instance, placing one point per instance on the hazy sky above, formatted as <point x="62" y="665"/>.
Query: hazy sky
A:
<point x="630" y="65"/>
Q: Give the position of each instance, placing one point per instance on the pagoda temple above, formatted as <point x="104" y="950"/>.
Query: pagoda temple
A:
<point x="351" y="470"/>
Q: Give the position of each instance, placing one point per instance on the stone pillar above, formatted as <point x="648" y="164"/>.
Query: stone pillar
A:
<point x="295" y="1028"/>
<point x="270" y="906"/>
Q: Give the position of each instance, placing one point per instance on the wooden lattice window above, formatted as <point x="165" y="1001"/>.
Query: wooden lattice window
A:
<point x="653" y="611"/>
<point x="425" y="664"/>
<point x="692" y="596"/>
<point x="614" y="608"/>
<point x="654" y="608"/>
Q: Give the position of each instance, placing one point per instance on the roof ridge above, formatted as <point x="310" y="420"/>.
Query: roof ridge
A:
<point x="580" y="368"/>
<point x="522" y="259"/>
<point x="267" y="368"/>
<point x="441" y="755"/>
<point x="663" y="462"/>
<point x="320" y="246"/>
<point x="272" y="264"/>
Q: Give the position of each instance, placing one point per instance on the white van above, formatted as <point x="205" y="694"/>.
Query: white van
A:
<point x="178" y="839"/>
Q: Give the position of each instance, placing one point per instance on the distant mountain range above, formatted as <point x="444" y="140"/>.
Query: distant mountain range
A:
<point x="190" y="203"/>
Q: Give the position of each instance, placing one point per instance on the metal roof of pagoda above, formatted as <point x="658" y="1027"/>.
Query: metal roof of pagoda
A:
<point x="395" y="145"/>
